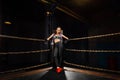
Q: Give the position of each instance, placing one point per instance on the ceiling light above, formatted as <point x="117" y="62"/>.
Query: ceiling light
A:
<point x="7" y="22"/>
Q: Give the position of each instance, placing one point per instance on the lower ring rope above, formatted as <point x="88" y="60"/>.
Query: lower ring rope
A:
<point x="92" y="51"/>
<point x="25" y="52"/>
<point x="98" y="36"/>
<point x="20" y="69"/>
<point x="94" y="68"/>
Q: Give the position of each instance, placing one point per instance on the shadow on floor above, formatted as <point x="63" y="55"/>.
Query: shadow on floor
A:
<point x="46" y="75"/>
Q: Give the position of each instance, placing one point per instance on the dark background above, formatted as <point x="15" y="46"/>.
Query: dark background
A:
<point x="29" y="19"/>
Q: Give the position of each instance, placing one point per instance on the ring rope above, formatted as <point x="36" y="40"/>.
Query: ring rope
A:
<point x="25" y="52"/>
<point x="26" y="68"/>
<point x="94" y="68"/>
<point x="96" y="51"/>
<point x="82" y="38"/>
<point x="22" y="38"/>
<point x="97" y="36"/>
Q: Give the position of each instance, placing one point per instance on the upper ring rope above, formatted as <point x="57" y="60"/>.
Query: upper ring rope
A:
<point x="22" y="38"/>
<point x="97" y="36"/>
<point x="82" y="38"/>
<point x="25" y="52"/>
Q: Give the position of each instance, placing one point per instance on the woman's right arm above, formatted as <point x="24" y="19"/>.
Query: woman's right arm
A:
<point x="50" y="37"/>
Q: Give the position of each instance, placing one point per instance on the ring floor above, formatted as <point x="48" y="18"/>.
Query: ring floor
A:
<point x="51" y="74"/>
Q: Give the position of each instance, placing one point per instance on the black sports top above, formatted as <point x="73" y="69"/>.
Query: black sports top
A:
<point x="57" y="37"/>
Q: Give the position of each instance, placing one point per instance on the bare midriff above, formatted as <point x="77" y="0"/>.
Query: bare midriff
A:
<point x="57" y="40"/>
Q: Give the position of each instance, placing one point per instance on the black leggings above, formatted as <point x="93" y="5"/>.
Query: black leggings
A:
<point x="57" y="53"/>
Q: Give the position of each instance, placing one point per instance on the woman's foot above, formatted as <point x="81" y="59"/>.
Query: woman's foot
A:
<point x="59" y="69"/>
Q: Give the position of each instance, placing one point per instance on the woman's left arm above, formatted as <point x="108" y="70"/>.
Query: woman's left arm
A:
<point x="65" y="37"/>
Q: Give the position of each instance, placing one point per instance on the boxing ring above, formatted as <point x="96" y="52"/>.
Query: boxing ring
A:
<point x="67" y="63"/>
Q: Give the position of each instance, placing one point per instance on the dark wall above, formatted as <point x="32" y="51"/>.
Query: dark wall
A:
<point x="28" y="20"/>
<point x="0" y="20"/>
<point x="0" y="33"/>
<point x="104" y="22"/>
<point x="25" y="23"/>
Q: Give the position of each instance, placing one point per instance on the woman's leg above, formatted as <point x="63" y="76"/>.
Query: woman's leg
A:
<point x="56" y="56"/>
<point x="52" y="58"/>
<point x="60" y="55"/>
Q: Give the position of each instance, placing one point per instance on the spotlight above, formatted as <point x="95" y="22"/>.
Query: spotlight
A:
<point x="7" y="22"/>
<point x="48" y="13"/>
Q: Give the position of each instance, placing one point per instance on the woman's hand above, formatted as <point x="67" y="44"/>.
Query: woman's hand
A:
<point x="48" y="39"/>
